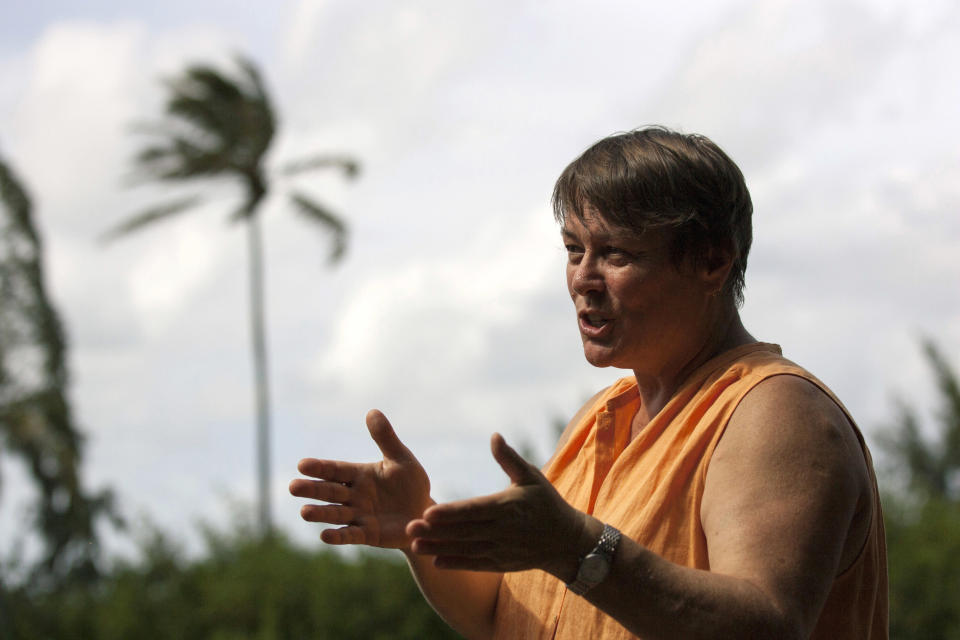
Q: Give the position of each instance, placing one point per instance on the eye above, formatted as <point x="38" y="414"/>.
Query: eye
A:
<point x="618" y="256"/>
<point x="574" y="251"/>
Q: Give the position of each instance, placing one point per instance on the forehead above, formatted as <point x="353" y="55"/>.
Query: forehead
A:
<point x="593" y="226"/>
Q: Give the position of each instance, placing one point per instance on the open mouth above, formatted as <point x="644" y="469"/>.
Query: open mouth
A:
<point x="594" y="320"/>
<point x="594" y="325"/>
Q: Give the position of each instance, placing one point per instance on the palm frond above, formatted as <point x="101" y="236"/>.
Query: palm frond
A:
<point x="258" y="94"/>
<point x="349" y="166"/>
<point x="179" y="159"/>
<point x="215" y="123"/>
<point x="319" y="214"/>
<point x="221" y="118"/>
<point x="149" y="216"/>
<point x="208" y="83"/>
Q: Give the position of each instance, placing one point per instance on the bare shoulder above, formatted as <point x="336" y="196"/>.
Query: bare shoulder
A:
<point x="787" y="429"/>
<point x="788" y="495"/>
<point x="790" y="414"/>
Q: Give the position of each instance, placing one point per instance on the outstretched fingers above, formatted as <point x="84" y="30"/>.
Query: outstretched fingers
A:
<point x="468" y="563"/>
<point x="320" y="490"/>
<point x="460" y="548"/>
<point x="375" y="500"/>
<point x="352" y="534"/>
<point x="474" y="510"/>
<point x="328" y="513"/>
<point x="482" y="530"/>
<point x="332" y="470"/>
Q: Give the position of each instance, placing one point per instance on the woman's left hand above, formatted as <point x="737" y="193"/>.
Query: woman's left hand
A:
<point x="527" y="526"/>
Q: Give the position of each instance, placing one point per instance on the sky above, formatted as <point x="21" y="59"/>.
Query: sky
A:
<point x="450" y="311"/>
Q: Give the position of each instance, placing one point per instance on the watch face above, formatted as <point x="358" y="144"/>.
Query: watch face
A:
<point x="594" y="568"/>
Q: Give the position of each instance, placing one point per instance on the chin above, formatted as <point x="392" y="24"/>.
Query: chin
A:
<point x="600" y="358"/>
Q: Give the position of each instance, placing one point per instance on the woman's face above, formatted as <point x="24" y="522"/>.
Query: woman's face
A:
<point x="635" y="308"/>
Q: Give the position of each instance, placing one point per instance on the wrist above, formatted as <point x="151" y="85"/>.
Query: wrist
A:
<point x="596" y="564"/>
<point x="407" y="547"/>
<point x="578" y="545"/>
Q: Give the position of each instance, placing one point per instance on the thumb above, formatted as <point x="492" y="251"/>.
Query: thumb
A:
<point x="520" y="471"/>
<point x="386" y="438"/>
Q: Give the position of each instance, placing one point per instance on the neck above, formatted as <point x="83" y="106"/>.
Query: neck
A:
<point x="656" y="389"/>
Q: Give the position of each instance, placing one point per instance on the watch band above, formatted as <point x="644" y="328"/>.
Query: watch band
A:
<point x="595" y="566"/>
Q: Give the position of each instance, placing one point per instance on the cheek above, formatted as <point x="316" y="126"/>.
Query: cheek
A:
<point x="570" y="271"/>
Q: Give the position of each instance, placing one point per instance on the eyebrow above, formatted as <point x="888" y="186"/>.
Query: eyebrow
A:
<point x="606" y="236"/>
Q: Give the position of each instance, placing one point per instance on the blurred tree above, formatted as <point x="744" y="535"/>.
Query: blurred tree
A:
<point x="221" y="126"/>
<point x="243" y="586"/>
<point x="929" y="466"/>
<point x="35" y="419"/>
<point x="922" y="513"/>
<point x="923" y="553"/>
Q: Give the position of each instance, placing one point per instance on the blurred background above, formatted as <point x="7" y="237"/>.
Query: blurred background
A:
<point x="394" y="160"/>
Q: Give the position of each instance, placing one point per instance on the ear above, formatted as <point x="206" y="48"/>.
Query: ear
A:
<point x="715" y="268"/>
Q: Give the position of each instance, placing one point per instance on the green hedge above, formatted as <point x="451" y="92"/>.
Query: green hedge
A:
<point x="241" y="588"/>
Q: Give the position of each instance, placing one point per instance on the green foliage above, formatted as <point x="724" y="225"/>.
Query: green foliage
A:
<point x="924" y="563"/>
<point x="36" y="423"/>
<point x="929" y="464"/>
<point x="243" y="587"/>
<point x="922" y="514"/>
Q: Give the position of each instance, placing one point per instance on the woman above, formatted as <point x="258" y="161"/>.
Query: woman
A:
<point x="719" y="491"/>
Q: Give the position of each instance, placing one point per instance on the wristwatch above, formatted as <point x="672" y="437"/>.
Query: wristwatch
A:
<point x="595" y="566"/>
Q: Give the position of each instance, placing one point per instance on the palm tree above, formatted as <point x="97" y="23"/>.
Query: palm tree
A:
<point x="221" y="126"/>
<point x="36" y="423"/>
<point x="929" y="467"/>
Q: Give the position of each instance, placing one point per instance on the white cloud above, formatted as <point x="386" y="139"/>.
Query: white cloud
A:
<point x="68" y="121"/>
<point x="450" y="311"/>
<point x="436" y="315"/>
<point x="165" y="277"/>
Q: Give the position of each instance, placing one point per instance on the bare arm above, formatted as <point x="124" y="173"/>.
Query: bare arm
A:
<point x="784" y="512"/>
<point x="478" y="588"/>
<point x="375" y="502"/>
<point x="466" y="600"/>
<point x="787" y="502"/>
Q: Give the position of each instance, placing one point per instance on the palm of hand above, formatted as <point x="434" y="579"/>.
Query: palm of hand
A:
<point x="386" y="496"/>
<point x="374" y="501"/>
<point x="527" y="526"/>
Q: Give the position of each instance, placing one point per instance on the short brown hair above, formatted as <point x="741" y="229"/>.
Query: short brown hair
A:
<point x="656" y="177"/>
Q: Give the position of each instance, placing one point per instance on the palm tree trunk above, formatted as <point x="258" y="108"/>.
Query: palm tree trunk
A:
<point x="260" y="374"/>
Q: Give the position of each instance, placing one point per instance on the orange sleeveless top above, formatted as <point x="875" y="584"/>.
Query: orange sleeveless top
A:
<point x="650" y="489"/>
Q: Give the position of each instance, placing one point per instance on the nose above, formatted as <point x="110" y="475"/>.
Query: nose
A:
<point x="585" y="277"/>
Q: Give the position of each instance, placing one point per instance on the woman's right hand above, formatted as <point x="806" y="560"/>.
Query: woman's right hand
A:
<point x="374" y="500"/>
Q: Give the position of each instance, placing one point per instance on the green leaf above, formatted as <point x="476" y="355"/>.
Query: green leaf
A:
<point x="316" y="212"/>
<point x="154" y="214"/>
<point x="349" y="166"/>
